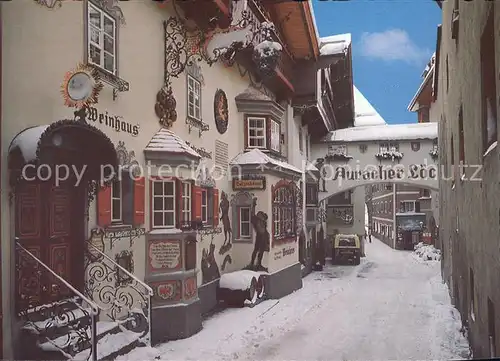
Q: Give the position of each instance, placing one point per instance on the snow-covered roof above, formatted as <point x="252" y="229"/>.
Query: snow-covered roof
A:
<point x="259" y="158"/>
<point x="334" y="44"/>
<point x="412" y="131"/>
<point x="167" y="141"/>
<point x="27" y="141"/>
<point x="366" y="115"/>
<point x="311" y="167"/>
<point x="427" y="74"/>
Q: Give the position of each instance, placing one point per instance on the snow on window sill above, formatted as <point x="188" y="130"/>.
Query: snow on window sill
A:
<point x="490" y="149"/>
<point x="165" y="231"/>
<point x="453" y="185"/>
<point x="462" y="178"/>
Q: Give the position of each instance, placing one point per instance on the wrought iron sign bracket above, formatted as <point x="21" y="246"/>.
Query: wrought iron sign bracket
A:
<point x="118" y="234"/>
<point x="209" y="232"/>
<point x="202" y="127"/>
<point x="184" y="47"/>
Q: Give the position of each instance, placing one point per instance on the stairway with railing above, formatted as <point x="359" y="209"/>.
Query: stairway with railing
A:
<point x="108" y="318"/>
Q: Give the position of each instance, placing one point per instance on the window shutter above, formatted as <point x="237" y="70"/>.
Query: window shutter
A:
<point x="104" y="207"/>
<point x="139" y="200"/>
<point x="246" y="133"/>
<point x="179" y="205"/>
<point x="196" y="203"/>
<point x="216" y="207"/>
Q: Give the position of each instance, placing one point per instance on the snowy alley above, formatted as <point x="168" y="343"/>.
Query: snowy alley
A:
<point x="393" y="306"/>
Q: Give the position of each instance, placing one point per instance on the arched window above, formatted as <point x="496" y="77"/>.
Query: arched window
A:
<point x="284" y="211"/>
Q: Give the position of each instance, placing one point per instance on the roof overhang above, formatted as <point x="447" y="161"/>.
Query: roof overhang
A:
<point x="413" y="106"/>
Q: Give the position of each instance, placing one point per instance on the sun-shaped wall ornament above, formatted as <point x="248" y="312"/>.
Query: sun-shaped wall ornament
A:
<point x="81" y="87"/>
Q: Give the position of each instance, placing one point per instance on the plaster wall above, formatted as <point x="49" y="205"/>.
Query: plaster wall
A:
<point x="469" y="210"/>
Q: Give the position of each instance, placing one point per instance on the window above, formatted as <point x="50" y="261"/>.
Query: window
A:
<point x="256" y="132"/>
<point x="101" y="34"/>
<point x="311" y="194"/>
<point x="407" y="206"/>
<point x="461" y="141"/>
<point x="275" y="136"/>
<point x="186" y="199"/>
<point x="163" y="204"/>
<point x="425" y="193"/>
<point x="307" y="146"/>
<point x="116" y="201"/>
<point x="207" y="206"/>
<point x="423" y="115"/>
<point x="194" y="98"/>
<point x="472" y="294"/>
<point x="488" y="80"/>
<point x="284" y="212"/>
<point x="301" y="145"/>
<point x="388" y="187"/>
<point x="244" y="222"/>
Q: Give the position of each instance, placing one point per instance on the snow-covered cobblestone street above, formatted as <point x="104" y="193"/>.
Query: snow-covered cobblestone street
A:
<point x="393" y="306"/>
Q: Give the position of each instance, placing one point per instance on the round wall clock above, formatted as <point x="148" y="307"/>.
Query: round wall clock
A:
<point x="81" y="87"/>
<point x="221" y="112"/>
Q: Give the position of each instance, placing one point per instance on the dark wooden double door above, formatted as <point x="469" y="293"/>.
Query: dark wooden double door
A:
<point x="50" y="224"/>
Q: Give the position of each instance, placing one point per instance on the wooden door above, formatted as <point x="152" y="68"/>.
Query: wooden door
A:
<point x="49" y="224"/>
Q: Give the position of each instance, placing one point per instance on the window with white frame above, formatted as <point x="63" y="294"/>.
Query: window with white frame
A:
<point x="116" y="201"/>
<point x="194" y="98"/>
<point x="101" y="35"/>
<point x="407" y="206"/>
<point x="256" y="132"/>
<point x="204" y="205"/>
<point x="275" y="136"/>
<point x="244" y="222"/>
<point x="163" y="204"/>
<point x="186" y="203"/>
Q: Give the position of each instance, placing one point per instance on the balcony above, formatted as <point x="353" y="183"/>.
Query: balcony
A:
<point x="280" y="81"/>
<point x="209" y="13"/>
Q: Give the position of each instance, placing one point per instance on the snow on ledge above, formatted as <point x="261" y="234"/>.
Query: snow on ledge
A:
<point x="239" y="280"/>
<point x="259" y="158"/>
<point x="335" y="44"/>
<point x="412" y="131"/>
<point x="491" y="148"/>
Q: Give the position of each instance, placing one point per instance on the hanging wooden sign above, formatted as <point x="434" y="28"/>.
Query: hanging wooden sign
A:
<point x="250" y="183"/>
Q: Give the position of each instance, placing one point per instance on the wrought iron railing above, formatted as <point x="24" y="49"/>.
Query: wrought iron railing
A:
<point x="73" y="312"/>
<point x="121" y="296"/>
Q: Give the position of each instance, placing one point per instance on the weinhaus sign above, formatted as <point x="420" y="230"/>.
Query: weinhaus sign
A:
<point x="115" y="122"/>
<point x="383" y="173"/>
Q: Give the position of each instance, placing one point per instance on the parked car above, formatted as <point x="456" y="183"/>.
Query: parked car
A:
<point x="346" y="248"/>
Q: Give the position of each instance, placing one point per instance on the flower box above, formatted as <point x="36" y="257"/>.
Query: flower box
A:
<point x="434" y="154"/>
<point x="337" y="156"/>
<point x="389" y="155"/>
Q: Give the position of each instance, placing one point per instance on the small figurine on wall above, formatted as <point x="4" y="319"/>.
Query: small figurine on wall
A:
<point x="224" y="217"/>
<point x="262" y="238"/>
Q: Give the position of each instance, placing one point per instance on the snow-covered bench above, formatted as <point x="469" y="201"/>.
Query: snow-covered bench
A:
<point x="241" y="287"/>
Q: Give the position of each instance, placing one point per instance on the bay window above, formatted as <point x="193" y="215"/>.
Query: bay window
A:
<point x="186" y="197"/>
<point x="275" y="136"/>
<point x="163" y="197"/>
<point x="101" y="35"/>
<point x="284" y="207"/>
<point x="256" y="132"/>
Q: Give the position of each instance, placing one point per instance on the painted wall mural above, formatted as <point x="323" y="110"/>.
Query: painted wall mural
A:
<point x="226" y="224"/>
<point x="262" y="238"/>
<point x="227" y="260"/>
<point x="209" y="268"/>
<point x="221" y="112"/>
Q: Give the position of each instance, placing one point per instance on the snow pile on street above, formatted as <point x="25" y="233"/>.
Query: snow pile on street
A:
<point x="391" y="307"/>
<point x="239" y="280"/>
<point x="427" y="252"/>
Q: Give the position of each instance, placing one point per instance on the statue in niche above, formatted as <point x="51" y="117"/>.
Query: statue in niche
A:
<point x="209" y="267"/>
<point x="224" y="217"/>
<point x="262" y="238"/>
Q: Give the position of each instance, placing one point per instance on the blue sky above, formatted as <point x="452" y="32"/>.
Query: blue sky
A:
<point x="392" y="41"/>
